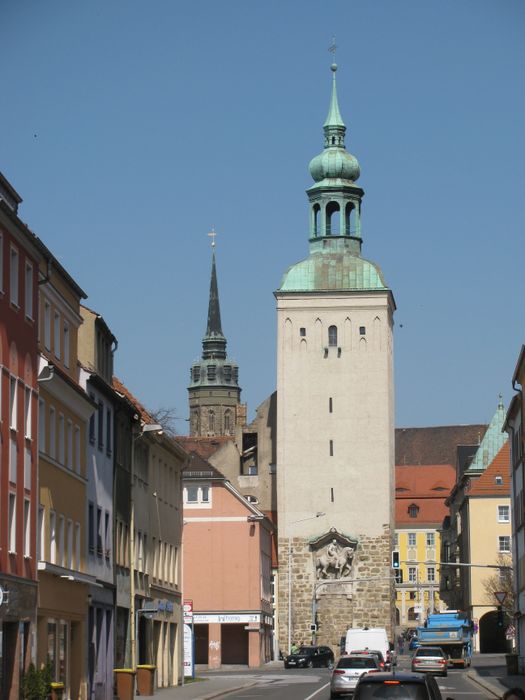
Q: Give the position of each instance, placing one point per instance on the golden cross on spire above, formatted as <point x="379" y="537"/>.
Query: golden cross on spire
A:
<point x="212" y="235"/>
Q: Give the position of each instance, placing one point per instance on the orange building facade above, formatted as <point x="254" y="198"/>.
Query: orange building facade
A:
<point x="227" y="570"/>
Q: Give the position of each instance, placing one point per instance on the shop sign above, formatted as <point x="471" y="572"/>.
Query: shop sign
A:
<point x="226" y="619"/>
<point x="188" y="612"/>
<point x="189" y="667"/>
<point x="3" y="596"/>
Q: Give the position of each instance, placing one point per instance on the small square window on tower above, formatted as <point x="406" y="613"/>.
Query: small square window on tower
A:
<point x="302" y="332"/>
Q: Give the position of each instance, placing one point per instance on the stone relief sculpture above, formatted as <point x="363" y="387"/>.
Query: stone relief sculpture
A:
<point x="334" y="561"/>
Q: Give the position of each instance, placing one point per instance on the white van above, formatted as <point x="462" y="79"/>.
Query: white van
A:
<point x="372" y="638"/>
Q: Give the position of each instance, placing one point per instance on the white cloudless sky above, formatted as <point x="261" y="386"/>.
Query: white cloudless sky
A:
<point x="131" y="128"/>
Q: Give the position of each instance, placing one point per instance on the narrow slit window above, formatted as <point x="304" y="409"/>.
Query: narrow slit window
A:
<point x="330" y="405"/>
<point x="332" y="336"/>
<point x="331" y="448"/>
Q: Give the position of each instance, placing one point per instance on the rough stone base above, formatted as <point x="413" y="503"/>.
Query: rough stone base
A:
<point x="366" y="599"/>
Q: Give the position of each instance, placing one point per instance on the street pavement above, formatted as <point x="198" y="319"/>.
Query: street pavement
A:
<point x="488" y="671"/>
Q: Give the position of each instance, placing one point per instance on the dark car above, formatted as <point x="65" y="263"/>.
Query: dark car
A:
<point x="394" y="686"/>
<point x="309" y="657"/>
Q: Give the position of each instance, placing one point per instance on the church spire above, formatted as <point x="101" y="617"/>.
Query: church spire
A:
<point x="334" y="125"/>
<point x="214" y="342"/>
<point x="214" y="391"/>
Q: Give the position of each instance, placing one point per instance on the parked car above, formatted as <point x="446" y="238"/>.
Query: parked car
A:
<point x="349" y="670"/>
<point x="391" y="686"/>
<point x="430" y="660"/>
<point x="309" y="657"/>
<point x="413" y="644"/>
<point x="378" y="654"/>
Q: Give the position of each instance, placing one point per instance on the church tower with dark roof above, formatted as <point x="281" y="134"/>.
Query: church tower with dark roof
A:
<point x="214" y="391"/>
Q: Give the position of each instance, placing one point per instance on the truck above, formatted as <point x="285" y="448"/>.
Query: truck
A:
<point x="361" y="639"/>
<point x="452" y="631"/>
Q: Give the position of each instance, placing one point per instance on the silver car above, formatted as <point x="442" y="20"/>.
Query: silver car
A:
<point x="429" y="660"/>
<point x="349" y="670"/>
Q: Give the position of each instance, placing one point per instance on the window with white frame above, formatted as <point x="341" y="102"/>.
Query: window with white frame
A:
<point x="431" y="574"/>
<point x="76" y="459"/>
<point x="41" y="534"/>
<point x="11" y="523"/>
<point x="56" y="335"/>
<point x="65" y="343"/>
<point x="53" y="537"/>
<point x="27" y="528"/>
<point x="197" y="495"/>
<point x="27" y="413"/>
<point x="13" y="280"/>
<point x="61" y="439"/>
<point x="411" y="539"/>
<point x="47" y="325"/>
<point x="52" y="433"/>
<point x="412" y="574"/>
<point x="503" y="514"/>
<point x="69" y="433"/>
<point x="504" y="543"/>
<point x="61" y="539"/>
<point x="13" y="403"/>
<point x="41" y="425"/>
<point x="13" y="460"/>
<point x="29" y="290"/>
<point x="431" y="539"/>
<point x="69" y="559"/>
<point x="77" y="546"/>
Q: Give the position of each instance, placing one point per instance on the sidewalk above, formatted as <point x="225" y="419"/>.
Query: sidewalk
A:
<point x="213" y="685"/>
<point x="490" y="672"/>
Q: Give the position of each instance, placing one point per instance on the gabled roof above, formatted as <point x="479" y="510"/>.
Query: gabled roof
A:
<point x="435" y="445"/>
<point x="121" y="389"/>
<point x="424" y="481"/>
<point x="486" y="484"/>
<point x="425" y="486"/>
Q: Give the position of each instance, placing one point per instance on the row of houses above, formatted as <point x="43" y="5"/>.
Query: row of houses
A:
<point x="90" y="489"/>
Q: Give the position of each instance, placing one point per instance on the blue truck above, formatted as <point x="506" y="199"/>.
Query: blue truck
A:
<point x="452" y="631"/>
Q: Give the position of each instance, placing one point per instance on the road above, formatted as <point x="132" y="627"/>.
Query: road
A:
<point x="314" y="684"/>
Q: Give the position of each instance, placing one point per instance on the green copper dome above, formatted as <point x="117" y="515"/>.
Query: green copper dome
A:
<point x="332" y="271"/>
<point x="334" y="163"/>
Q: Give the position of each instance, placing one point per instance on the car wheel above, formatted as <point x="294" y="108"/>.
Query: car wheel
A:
<point x="310" y="664"/>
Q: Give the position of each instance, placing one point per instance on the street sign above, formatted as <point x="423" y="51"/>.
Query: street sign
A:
<point x="510" y="632"/>
<point x="500" y="596"/>
<point x="189" y="661"/>
<point x="187" y="611"/>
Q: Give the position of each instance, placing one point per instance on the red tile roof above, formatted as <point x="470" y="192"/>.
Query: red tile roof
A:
<point x="427" y="487"/>
<point x="485" y="485"/>
<point x="122" y="389"/>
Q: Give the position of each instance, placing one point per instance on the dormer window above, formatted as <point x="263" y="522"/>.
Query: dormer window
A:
<point x="498" y="480"/>
<point x="227" y="373"/>
<point x="212" y="372"/>
<point x="196" y="374"/>
<point x="413" y="510"/>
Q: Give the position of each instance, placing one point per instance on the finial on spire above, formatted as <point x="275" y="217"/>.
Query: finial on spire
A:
<point x="212" y="235"/>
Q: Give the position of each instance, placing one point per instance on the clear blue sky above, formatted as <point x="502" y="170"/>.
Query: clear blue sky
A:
<point x="131" y="128"/>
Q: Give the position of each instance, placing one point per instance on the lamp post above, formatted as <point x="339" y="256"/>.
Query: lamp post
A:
<point x="135" y="435"/>
<point x="294" y="522"/>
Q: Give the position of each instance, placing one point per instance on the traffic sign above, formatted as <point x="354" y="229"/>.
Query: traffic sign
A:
<point x="500" y="596"/>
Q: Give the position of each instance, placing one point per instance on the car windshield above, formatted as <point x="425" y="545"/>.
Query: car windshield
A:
<point x="306" y="650"/>
<point x="356" y="662"/>
<point x="428" y="652"/>
<point x="392" y="689"/>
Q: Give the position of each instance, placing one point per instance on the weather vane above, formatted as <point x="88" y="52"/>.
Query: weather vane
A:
<point x="212" y="235"/>
<point x="333" y="46"/>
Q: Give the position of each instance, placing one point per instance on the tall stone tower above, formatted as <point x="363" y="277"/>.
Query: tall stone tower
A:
<point x="335" y="416"/>
<point x="214" y="391"/>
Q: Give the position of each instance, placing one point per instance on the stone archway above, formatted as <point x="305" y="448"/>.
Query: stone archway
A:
<point x="491" y="637"/>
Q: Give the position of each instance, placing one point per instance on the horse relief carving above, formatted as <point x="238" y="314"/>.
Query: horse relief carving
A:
<point x="334" y="561"/>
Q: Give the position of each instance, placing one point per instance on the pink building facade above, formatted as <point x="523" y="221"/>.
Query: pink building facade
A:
<point x="226" y="570"/>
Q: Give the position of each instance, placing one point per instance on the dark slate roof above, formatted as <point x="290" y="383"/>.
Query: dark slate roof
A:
<point x="436" y="445"/>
